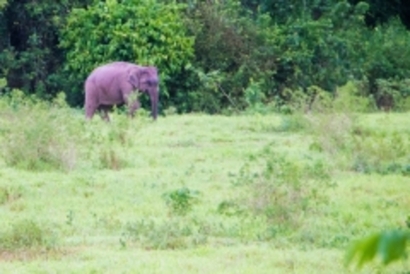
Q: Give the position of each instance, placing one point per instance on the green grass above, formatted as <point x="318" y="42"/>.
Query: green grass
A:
<point x="196" y="193"/>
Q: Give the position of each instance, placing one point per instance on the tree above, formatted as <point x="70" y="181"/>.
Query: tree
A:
<point x="28" y="39"/>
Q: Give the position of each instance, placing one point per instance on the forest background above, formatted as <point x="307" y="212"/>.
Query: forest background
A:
<point x="214" y="56"/>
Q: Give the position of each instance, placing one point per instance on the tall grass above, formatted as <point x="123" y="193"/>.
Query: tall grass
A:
<point x="27" y="234"/>
<point x="283" y="190"/>
<point x="39" y="135"/>
<point x="337" y="130"/>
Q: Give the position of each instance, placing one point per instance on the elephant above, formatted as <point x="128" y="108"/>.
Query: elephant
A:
<point x="113" y="84"/>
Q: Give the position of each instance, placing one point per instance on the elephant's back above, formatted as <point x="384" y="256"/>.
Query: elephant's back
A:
<point x="118" y="65"/>
<point x="106" y="72"/>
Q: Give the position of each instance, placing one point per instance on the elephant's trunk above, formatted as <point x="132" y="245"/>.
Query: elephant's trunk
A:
<point x="154" y="103"/>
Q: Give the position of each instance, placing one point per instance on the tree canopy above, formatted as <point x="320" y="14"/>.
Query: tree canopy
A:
<point x="212" y="55"/>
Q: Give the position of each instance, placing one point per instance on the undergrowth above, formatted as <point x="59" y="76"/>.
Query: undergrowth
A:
<point x="39" y="135"/>
<point x="282" y="190"/>
<point x="27" y="234"/>
<point x="334" y="124"/>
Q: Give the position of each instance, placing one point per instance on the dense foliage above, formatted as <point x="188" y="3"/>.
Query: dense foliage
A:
<point x="215" y="55"/>
<point x="30" y="57"/>
<point x="146" y="32"/>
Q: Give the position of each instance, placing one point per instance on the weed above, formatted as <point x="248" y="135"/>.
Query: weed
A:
<point x="172" y="234"/>
<point x="292" y="123"/>
<point x="181" y="201"/>
<point x="36" y="134"/>
<point x="111" y="159"/>
<point x="230" y="208"/>
<point x="108" y="145"/>
<point x="331" y="131"/>
<point x="283" y="190"/>
<point x="245" y="175"/>
<point x="70" y="218"/>
<point x="27" y="234"/>
<point x="10" y="194"/>
<point x="107" y="221"/>
<point x="171" y="110"/>
<point x="380" y="153"/>
<point x="353" y="147"/>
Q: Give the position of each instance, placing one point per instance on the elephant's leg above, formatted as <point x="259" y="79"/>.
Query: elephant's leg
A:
<point x="89" y="111"/>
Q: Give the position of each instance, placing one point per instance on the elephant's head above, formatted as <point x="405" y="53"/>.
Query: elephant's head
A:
<point x="146" y="79"/>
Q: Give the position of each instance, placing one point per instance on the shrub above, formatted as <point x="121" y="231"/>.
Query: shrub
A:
<point x="147" y="32"/>
<point x="386" y="55"/>
<point x="391" y="94"/>
<point x="10" y="194"/>
<point x="181" y="201"/>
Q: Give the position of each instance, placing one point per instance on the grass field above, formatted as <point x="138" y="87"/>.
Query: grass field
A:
<point x="197" y="193"/>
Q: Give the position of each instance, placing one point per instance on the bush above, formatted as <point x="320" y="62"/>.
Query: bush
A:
<point x="146" y="32"/>
<point x="181" y="201"/>
<point x="386" y="55"/>
<point x="390" y="94"/>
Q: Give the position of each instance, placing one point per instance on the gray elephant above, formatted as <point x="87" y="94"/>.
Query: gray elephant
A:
<point x="114" y="83"/>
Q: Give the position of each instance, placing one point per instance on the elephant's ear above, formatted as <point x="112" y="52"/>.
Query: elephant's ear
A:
<point x="133" y="78"/>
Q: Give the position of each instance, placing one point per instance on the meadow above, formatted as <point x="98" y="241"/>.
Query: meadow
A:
<point x="197" y="193"/>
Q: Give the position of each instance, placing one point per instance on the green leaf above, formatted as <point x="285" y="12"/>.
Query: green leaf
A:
<point x="389" y="245"/>
<point x="392" y="246"/>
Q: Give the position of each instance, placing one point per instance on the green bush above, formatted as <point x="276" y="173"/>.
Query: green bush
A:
<point x="147" y="32"/>
<point x="391" y="94"/>
<point x="386" y="52"/>
<point x="181" y="201"/>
